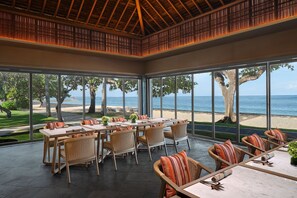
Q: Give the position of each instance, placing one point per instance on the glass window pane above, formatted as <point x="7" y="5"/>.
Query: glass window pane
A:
<point x="203" y="104"/>
<point x="14" y="101"/>
<point x="155" y="93"/>
<point x="284" y="98"/>
<point x="131" y="96"/>
<point x="168" y="90"/>
<point x="252" y="100"/>
<point x="114" y="97"/>
<point x="93" y="96"/>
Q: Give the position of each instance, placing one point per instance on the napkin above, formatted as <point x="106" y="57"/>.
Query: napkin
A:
<point x="267" y="156"/>
<point x="221" y="176"/>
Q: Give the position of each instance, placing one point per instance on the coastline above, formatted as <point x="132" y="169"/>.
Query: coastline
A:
<point x="246" y="119"/>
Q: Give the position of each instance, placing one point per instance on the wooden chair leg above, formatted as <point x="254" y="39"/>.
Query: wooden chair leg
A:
<point x="136" y="157"/>
<point x="44" y="151"/>
<point x="68" y="172"/>
<point x="188" y="144"/>
<point x="162" y="189"/>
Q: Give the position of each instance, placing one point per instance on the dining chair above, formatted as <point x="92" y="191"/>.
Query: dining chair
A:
<point x="153" y="137"/>
<point x="227" y="154"/>
<point x="178" y="133"/>
<point x="121" y="142"/>
<point x="195" y="169"/>
<point x="78" y="150"/>
<point x="48" y="143"/>
<point x="256" y="144"/>
<point x="277" y="136"/>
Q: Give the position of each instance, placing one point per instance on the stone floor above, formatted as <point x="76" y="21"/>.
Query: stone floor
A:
<point x="22" y="174"/>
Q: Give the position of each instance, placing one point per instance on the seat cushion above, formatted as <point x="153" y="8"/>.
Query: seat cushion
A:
<point x="176" y="168"/>
<point x="257" y="141"/>
<point x="227" y="152"/>
<point x="168" y="134"/>
<point x="142" y="117"/>
<point x="142" y="139"/>
<point x="278" y="135"/>
<point x="90" y="122"/>
<point x="107" y="145"/>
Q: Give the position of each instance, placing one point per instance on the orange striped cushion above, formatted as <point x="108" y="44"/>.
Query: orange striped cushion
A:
<point x="176" y="168"/>
<point x="258" y="142"/>
<point x="227" y="152"/>
<point x="50" y="125"/>
<point x="59" y="124"/>
<point x="90" y="122"/>
<point x="118" y="119"/>
<point x="142" y="117"/>
<point x="278" y="135"/>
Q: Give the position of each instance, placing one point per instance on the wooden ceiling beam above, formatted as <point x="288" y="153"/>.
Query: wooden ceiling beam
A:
<point x="114" y="9"/>
<point x="103" y="9"/>
<point x="209" y="5"/>
<point x="43" y="6"/>
<point x="150" y="25"/>
<point x="58" y="6"/>
<point x="70" y="8"/>
<point x="130" y="19"/>
<point x="148" y="2"/>
<point x="166" y="12"/>
<point x="91" y="12"/>
<point x="29" y="4"/>
<point x="132" y="30"/>
<point x="80" y="8"/>
<point x="139" y="16"/>
<point x="184" y="6"/>
<point x="197" y="6"/>
<point x="222" y="2"/>
<point x="122" y="14"/>
<point x="151" y="17"/>
<point x="176" y="10"/>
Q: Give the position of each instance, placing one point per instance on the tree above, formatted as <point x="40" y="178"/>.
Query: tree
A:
<point x="226" y="80"/>
<point x="183" y="83"/>
<point x="92" y="83"/>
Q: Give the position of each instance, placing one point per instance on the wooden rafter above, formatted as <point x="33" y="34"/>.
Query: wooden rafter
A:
<point x="58" y="6"/>
<point x="70" y="8"/>
<point x="91" y="12"/>
<point x="197" y="6"/>
<point x="130" y="19"/>
<point x="43" y="6"/>
<point x="166" y="12"/>
<point x="151" y="17"/>
<point x="176" y="11"/>
<point x="139" y="16"/>
<point x="29" y="5"/>
<point x="103" y="9"/>
<point x="222" y="2"/>
<point x="111" y="15"/>
<point x="209" y="5"/>
<point x="149" y="25"/>
<point x="80" y="8"/>
<point x="122" y="14"/>
<point x="132" y="30"/>
<point x="188" y="11"/>
<point x="148" y="2"/>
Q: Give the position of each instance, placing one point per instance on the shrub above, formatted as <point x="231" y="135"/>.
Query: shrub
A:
<point x="9" y="104"/>
<point x="23" y="103"/>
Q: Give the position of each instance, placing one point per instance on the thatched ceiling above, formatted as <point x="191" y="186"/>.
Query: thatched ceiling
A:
<point x="138" y="17"/>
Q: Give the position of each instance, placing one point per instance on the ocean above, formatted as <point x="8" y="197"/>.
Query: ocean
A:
<point x="280" y="104"/>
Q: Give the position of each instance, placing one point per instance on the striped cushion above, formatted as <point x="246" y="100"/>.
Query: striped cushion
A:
<point x="258" y="142"/>
<point x="278" y="135"/>
<point x="176" y="168"/>
<point x="118" y="119"/>
<point x="126" y="128"/>
<point x="142" y="117"/>
<point x="90" y="122"/>
<point x="59" y="124"/>
<point x="50" y="125"/>
<point x="227" y="152"/>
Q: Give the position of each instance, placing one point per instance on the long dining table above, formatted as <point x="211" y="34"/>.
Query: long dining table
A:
<point x="100" y="129"/>
<point x="251" y="178"/>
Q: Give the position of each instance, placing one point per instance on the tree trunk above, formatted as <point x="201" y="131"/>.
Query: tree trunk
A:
<point x="59" y="112"/>
<point x="7" y="111"/>
<point x="103" y="102"/>
<point x="41" y="102"/>
<point x="47" y="97"/>
<point x="92" y="108"/>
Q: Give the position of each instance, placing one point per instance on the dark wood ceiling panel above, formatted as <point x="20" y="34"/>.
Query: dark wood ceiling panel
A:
<point x="119" y="15"/>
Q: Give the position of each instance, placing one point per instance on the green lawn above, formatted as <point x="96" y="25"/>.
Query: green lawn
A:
<point x="21" y="137"/>
<point x="21" y="118"/>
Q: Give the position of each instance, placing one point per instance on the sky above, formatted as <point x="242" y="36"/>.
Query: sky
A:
<point x="283" y="82"/>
